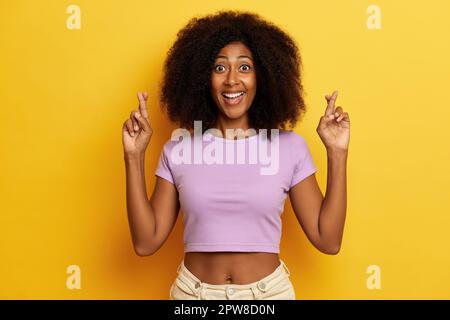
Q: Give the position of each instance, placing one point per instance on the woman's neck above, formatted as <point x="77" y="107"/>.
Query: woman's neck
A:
<point x="231" y="124"/>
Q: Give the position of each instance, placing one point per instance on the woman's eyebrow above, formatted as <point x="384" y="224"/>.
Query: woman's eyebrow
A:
<point x="241" y="56"/>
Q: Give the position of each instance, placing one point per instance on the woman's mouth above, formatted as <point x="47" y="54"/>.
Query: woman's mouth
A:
<point x="233" y="98"/>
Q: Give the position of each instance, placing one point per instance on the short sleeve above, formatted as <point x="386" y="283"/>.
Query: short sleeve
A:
<point x="163" y="169"/>
<point x="303" y="162"/>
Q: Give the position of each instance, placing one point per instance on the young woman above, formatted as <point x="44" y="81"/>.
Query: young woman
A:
<point x="234" y="70"/>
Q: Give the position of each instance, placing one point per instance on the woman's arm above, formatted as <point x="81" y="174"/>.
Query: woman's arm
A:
<point x="323" y="219"/>
<point x="334" y="206"/>
<point x="141" y="217"/>
<point x="150" y="221"/>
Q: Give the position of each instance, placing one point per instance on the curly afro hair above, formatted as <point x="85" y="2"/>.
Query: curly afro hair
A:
<point x="185" y="88"/>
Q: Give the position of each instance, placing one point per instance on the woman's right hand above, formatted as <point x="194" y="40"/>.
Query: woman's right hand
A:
<point x="136" y="130"/>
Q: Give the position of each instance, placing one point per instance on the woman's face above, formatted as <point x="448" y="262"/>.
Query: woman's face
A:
<point x="233" y="80"/>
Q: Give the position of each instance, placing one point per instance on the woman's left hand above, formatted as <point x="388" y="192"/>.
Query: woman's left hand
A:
<point x="334" y="126"/>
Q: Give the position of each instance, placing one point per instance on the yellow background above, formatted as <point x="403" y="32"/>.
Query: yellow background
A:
<point x="65" y="94"/>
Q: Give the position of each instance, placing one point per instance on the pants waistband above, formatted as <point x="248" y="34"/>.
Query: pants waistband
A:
<point x="262" y="284"/>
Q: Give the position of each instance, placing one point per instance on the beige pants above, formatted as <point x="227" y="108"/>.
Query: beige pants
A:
<point x="275" y="286"/>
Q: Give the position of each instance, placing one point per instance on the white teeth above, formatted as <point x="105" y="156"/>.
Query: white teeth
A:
<point x="233" y="95"/>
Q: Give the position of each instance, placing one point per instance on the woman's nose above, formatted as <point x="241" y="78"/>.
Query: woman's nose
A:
<point x="231" y="77"/>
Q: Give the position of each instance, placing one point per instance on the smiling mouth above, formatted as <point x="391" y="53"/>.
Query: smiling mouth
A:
<point x="233" y="98"/>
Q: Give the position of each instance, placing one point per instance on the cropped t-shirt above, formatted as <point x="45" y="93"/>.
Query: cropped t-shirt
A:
<point x="234" y="204"/>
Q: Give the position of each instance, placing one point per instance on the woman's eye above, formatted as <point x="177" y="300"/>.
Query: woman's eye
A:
<point x="222" y="68"/>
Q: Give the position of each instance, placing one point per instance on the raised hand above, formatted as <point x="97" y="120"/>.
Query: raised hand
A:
<point x="137" y="131"/>
<point x="334" y="126"/>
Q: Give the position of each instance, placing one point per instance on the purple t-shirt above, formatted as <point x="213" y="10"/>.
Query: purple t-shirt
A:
<point x="234" y="206"/>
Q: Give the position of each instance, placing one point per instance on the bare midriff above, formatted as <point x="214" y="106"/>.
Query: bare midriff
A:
<point x="231" y="267"/>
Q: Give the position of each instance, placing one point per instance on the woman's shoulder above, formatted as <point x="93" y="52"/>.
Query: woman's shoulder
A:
<point x="290" y="136"/>
<point x="177" y="136"/>
<point x="293" y="141"/>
